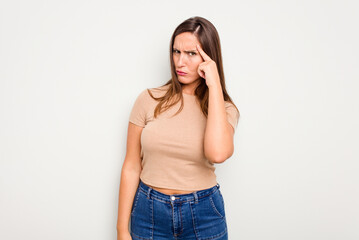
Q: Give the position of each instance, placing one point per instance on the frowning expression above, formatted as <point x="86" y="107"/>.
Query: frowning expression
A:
<point x="186" y="58"/>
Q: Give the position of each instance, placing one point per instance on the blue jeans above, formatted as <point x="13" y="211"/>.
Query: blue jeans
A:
<point x="198" y="215"/>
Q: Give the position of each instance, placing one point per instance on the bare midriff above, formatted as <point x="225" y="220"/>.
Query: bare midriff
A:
<point x="170" y="191"/>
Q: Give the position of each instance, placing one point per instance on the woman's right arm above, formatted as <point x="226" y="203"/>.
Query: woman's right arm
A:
<point x="130" y="177"/>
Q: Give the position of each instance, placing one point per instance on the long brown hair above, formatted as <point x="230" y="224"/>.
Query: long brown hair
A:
<point x="208" y="37"/>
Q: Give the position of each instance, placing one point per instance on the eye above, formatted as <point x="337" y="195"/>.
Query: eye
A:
<point x="192" y="53"/>
<point x="175" y="51"/>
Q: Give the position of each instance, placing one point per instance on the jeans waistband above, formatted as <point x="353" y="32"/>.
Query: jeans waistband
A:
<point x="194" y="196"/>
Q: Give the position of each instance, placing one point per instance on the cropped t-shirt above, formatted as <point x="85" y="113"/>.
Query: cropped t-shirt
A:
<point x="172" y="147"/>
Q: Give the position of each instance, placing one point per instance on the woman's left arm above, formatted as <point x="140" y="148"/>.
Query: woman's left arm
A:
<point x="218" y="137"/>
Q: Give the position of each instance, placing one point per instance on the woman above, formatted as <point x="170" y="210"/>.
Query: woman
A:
<point x="176" y="133"/>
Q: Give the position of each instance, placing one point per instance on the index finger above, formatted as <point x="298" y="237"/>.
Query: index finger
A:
<point x="203" y="54"/>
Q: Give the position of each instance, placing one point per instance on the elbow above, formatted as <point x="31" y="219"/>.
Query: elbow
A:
<point x="218" y="153"/>
<point x="219" y="157"/>
<point x="132" y="166"/>
<point x="217" y="160"/>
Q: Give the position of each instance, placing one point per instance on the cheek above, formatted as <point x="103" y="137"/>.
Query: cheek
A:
<point x="195" y="63"/>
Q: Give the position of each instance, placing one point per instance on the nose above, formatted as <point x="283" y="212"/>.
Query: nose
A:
<point x="181" y="60"/>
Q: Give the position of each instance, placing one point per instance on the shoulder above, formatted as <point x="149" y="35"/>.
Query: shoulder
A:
<point x="142" y="96"/>
<point x="145" y="97"/>
<point x="230" y="107"/>
<point x="228" y="104"/>
<point x="159" y="91"/>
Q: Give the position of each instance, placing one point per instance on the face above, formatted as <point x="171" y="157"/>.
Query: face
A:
<point x="186" y="58"/>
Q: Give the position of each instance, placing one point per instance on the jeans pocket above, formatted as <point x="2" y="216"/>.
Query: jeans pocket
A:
<point x="217" y="204"/>
<point x="142" y="217"/>
<point x="209" y="217"/>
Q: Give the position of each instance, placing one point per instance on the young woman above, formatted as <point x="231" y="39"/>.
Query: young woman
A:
<point x="176" y="133"/>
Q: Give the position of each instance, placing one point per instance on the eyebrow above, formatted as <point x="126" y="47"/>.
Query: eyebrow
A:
<point x="185" y="51"/>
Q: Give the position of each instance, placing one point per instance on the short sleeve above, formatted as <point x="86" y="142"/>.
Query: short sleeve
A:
<point x="139" y="112"/>
<point x="232" y="114"/>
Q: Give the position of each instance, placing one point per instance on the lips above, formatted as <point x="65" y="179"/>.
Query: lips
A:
<point x="181" y="73"/>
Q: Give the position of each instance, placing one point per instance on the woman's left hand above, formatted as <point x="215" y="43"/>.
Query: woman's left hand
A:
<point x="208" y="69"/>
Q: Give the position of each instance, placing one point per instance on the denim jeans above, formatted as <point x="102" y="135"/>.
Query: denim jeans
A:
<point x="198" y="215"/>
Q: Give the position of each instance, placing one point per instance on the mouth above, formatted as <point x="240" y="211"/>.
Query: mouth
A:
<point x="181" y="73"/>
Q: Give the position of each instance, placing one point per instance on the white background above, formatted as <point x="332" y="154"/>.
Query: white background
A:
<point x="71" y="70"/>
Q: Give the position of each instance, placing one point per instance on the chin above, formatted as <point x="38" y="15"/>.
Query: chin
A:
<point x="185" y="80"/>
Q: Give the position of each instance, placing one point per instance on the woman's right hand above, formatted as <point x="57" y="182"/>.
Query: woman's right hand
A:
<point x="124" y="236"/>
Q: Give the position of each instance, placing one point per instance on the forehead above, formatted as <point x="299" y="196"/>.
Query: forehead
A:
<point x="185" y="40"/>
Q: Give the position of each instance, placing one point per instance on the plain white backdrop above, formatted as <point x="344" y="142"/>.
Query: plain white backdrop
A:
<point x="71" y="70"/>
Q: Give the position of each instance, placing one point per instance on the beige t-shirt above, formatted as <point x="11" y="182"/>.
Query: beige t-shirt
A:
<point x="172" y="151"/>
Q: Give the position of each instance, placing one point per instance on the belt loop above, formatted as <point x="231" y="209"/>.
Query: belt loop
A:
<point x="195" y="197"/>
<point x="148" y="192"/>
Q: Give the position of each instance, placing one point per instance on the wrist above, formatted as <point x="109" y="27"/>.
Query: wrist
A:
<point x="215" y="86"/>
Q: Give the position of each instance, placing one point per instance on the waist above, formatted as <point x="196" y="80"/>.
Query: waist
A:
<point x="195" y="195"/>
<point x="169" y="191"/>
